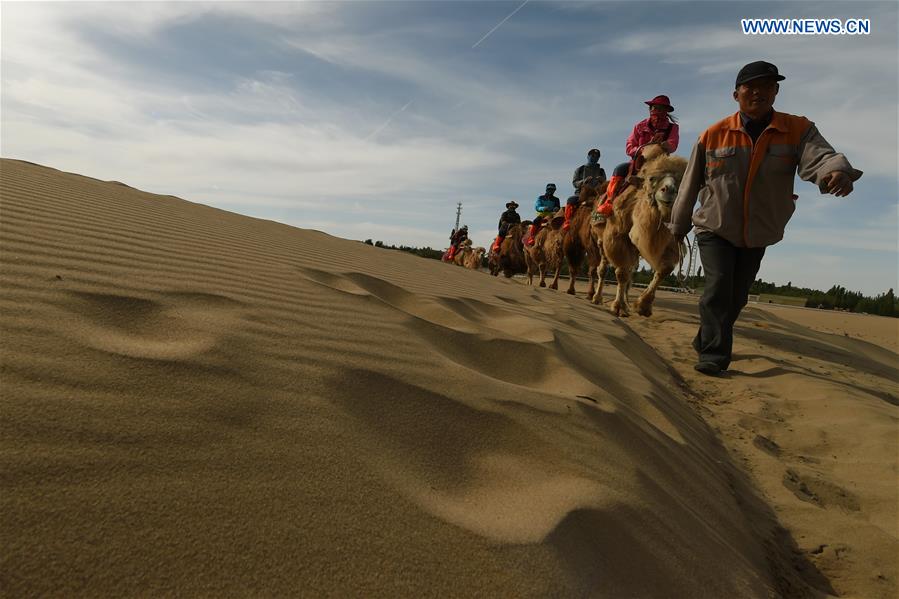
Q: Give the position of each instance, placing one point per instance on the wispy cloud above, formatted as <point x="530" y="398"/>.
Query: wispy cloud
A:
<point x="289" y="114"/>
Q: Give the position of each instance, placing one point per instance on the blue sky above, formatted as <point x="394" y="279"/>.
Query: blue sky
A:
<point x="372" y="119"/>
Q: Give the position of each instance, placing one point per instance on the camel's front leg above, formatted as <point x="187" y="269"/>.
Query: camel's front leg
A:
<point x="530" y="266"/>
<point x="542" y="267"/>
<point x="600" y="274"/>
<point x="643" y="305"/>
<point x="591" y="272"/>
<point x="619" y="306"/>
<point x="573" y="269"/>
<point x="555" y="283"/>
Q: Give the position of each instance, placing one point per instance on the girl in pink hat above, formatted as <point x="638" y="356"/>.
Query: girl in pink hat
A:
<point x="659" y="128"/>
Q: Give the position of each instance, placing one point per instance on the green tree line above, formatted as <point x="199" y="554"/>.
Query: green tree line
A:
<point x="424" y="252"/>
<point x="835" y="298"/>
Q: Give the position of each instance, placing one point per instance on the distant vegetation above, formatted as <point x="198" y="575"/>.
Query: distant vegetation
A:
<point x="424" y="252"/>
<point x="835" y="298"/>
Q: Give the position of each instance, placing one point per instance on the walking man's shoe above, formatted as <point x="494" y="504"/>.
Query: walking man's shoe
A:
<point x="709" y="368"/>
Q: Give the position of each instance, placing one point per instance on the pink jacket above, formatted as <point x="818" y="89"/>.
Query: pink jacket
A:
<point x="642" y="135"/>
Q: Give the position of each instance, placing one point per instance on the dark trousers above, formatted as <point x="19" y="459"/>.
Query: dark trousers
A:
<point x="621" y="169"/>
<point x="729" y="273"/>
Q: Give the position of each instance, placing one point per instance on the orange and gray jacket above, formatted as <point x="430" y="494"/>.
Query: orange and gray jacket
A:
<point x="745" y="190"/>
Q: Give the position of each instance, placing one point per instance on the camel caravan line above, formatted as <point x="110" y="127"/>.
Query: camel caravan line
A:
<point x="634" y="229"/>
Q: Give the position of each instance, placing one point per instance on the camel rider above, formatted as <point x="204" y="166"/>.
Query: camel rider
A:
<point x="456" y="239"/>
<point x="592" y="174"/>
<point x="506" y="220"/>
<point x="546" y="205"/>
<point x="659" y="128"/>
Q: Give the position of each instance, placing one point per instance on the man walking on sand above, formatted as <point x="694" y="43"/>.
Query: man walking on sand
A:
<point x="742" y="171"/>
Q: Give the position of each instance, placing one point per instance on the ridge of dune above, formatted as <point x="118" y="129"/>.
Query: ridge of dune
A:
<point x="195" y="401"/>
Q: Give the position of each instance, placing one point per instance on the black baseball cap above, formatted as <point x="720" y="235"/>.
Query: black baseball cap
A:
<point x="593" y="151"/>
<point x="551" y="186"/>
<point x="758" y="70"/>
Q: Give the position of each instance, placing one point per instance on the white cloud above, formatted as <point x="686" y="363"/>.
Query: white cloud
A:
<point x="837" y="81"/>
<point x="259" y="140"/>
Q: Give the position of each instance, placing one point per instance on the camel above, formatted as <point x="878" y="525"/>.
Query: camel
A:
<point x="637" y="228"/>
<point x="493" y="262"/>
<point x="510" y="258"/>
<point x="580" y="241"/>
<point x="546" y="253"/>
<point x="464" y="254"/>
<point x="472" y="259"/>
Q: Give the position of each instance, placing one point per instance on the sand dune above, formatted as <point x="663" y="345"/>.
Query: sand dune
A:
<point x="814" y="417"/>
<point x="198" y="402"/>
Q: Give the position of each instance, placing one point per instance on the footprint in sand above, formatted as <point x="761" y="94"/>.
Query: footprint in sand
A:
<point x="336" y="282"/>
<point x="390" y="295"/>
<point x="480" y="336"/>
<point x="767" y="445"/>
<point x="166" y="326"/>
<point x="822" y="493"/>
<point x="476" y="469"/>
<point x="457" y="314"/>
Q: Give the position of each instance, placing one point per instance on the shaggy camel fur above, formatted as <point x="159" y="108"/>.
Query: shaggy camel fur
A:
<point x="546" y="253"/>
<point x="464" y="248"/>
<point x="468" y="256"/>
<point x="580" y="241"/>
<point x="637" y="228"/>
<point x="510" y="259"/>
<point x="472" y="259"/>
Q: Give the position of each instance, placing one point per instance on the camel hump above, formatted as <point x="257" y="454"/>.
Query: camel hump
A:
<point x="653" y="151"/>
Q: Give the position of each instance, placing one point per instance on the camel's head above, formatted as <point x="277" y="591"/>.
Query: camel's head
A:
<point x="664" y="186"/>
<point x="660" y="180"/>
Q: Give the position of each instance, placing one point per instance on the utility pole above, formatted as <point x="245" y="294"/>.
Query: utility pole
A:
<point x="458" y="215"/>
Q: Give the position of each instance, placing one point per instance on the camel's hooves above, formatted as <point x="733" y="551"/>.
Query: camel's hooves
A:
<point x="571" y="292"/>
<point x="643" y="309"/>
<point x="542" y="284"/>
<point x="554" y="286"/>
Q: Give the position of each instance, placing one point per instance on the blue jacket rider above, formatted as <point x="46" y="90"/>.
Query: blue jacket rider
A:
<point x="546" y="205"/>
